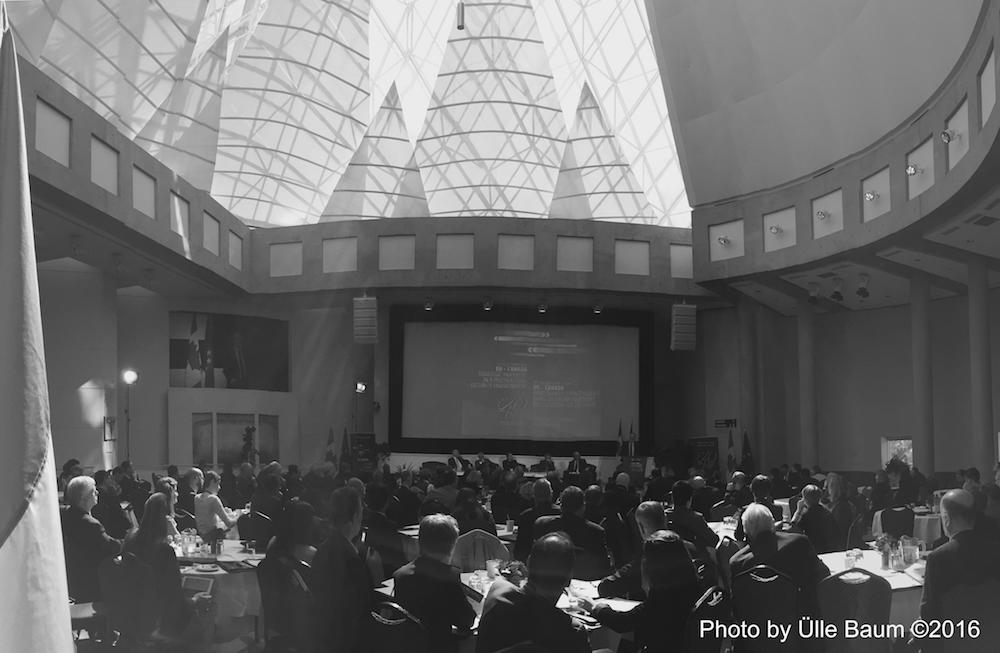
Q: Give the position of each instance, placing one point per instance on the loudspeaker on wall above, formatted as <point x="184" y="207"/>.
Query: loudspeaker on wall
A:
<point x="683" y="327"/>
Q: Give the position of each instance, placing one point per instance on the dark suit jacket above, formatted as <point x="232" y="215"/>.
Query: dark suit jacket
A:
<point x="575" y="467"/>
<point x="173" y="611"/>
<point x="625" y="582"/>
<point x="109" y="512"/>
<point x="383" y="536"/>
<point x="546" y="465"/>
<point x="659" y="621"/>
<point x="405" y="508"/>
<point x="692" y="527"/>
<point x="790" y="553"/>
<point x="85" y="545"/>
<point x="589" y="540"/>
<point x="821" y="528"/>
<point x="432" y="591"/>
<point x="968" y="558"/>
<point x="343" y="598"/>
<point x="512" y="615"/>
<point x="459" y="466"/>
<point x="526" y="529"/>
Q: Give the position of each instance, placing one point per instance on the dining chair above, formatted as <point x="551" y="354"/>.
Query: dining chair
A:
<point x="474" y="548"/>
<point x="761" y="595"/>
<point x="860" y="595"/>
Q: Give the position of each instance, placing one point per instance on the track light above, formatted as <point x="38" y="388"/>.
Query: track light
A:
<point x="822" y="215"/>
<point x="949" y="135"/>
<point x="912" y="170"/>
<point x="838" y="286"/>
<point x="487" y="304"/>
<point x="460" y="15"/>
<point x="871" y="196"/>
<point x="428" y="304"/>
<point x="863" y="281"/>
<point x="542" y="307"/>
<point x="723" y="240"/>
<point x="775" y="229"/>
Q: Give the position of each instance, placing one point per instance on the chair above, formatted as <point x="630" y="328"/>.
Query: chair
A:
<point x="129" y="599"/>
<point x="761" y="594"/>
<point x="395" y="629"/>
<point x="474" y="548"/>
<point x="722" y="509"/>
<point x="897" y="522"/>
<point x="975" y="602"/>
<point x="856" y="532"/>
<point x="724" y="551"/>
<point x="184" y="520"/>
<point x="860" y="595"/>
<point x="287" y="604"/>
<point x="713" y="606"/>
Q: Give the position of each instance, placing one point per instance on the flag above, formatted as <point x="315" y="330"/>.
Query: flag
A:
<point x="632" y="437"/>
<point x="34" y="612"/>
<point x="746" y="457"/>
<point x="731" y="457"/>
<point x="621" y="443"/>
<point x="345" y="448"/>
<point x="331" y="447"/>
<point x="193" y="372"/>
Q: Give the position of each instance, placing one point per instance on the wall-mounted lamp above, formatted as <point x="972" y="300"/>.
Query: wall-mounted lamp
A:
<point x="775" y="229"/>
<point x="863" y="281"/>
<point x="487" y="304"/>
<point x="912" y="170"/>
<point x="360" y="387"/>
<point x="542" y="307"/>
<point x="130" y="376"/>
<point x="598" y="308"/>
<point x="428" y="304"/>
<point x="723" y="240"/>
<point x="871" y="196"/>
<point x="838" y="286"/>
<point x="460" y="15"/>
<point x="822" y="215"/>
<point x="949" y="135"/>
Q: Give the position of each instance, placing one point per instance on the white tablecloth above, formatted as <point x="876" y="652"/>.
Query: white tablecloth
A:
<point x="926" y="527"/>
<point x="907" y="586"/>
<point x="236" y="594"/>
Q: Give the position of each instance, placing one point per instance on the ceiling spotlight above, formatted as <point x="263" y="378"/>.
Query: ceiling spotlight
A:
<point x="822" y="215"/>
<point x="814" y="293"/>
<point x="871" y="196"/>
<point x="487" y="304"/>
<point x="949" y="135"/>
<point x="360" y="387"/>
<point x="723" y="240"/>
<point x="863" y="280"/>
<point x="460" y="15"/>
<point x="598" y="309"/>
<point x="775" y="229"/>
<point x="912" y="170"/>
<point x="838" y="286"/>
<point x="129" y="376"/>
<point x="428" y="304"/>
<point x="542" y="307"/>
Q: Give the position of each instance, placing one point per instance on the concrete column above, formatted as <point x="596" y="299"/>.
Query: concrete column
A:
<point x="981" y="385"/>
<point x="808" y="425"/>
<point x="923" y="385"/>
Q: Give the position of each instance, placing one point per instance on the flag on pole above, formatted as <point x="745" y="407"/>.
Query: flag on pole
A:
<point x="746" y="457"/>
<point x="632" y="437"/>
<point x="331" y="447"/>
<point x="621" y="443"/>
<point x="345" y="448"/>
<point x="34" y="613"/>
<point x="731" y="457"/>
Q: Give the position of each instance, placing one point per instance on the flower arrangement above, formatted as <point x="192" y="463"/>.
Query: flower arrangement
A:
<point x="514" y="571"/>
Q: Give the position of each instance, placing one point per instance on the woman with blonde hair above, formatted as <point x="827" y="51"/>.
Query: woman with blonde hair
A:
<point x="844" y="512"/>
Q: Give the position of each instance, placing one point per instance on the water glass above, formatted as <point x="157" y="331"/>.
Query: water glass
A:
<point x="510" y="525"/>
<point x="849" y="560"/>
<point x="492" y="568"/>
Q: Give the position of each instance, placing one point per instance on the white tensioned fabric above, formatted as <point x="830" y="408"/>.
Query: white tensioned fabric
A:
<point x="382" y="180"/>
<point x="494" y="134"/>
<point x="594" y="181"/>
<point x="294" y="108"/>
<point x="586" y="40"/>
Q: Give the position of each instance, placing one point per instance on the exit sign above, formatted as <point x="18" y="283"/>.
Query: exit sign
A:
<point x="725" y="423"/>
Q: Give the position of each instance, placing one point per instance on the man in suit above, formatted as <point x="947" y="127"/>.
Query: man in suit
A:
<point x="459" y="464"/>
<point x="577" y="464"/>
<point x="341" y="584"/>
<point x="740" y="494"/>
<point x="484" y="465"/>
<point x="790" y="553"/>
<point x="704" y="497"/>
<point x="760" y="488"/>
<point x="510" y="463"/>
<point x="969" y="557"/>
<point x="542" y="494"/>
<point x="686" y="522"/>
<point x="447" y="491"/>
<point x="431" y="588"/>
<point x="817" y="522"/>
<point x="546" y="464"/>
<point x="589" y="539"/>
<point x="513" y="616"/>
<point x="626" y="581"/>
<point x="382" y="534"/>
<point x="85" y="544"/>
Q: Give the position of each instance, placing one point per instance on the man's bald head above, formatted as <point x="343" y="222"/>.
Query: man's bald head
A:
<point x="958" y="512"/>
<point x="650" y="517"/>
<point x="698" y="482"/>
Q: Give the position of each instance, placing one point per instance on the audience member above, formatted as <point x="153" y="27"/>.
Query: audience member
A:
<point x="902" y="489"/>
<point x="740" y="494"/>
<point x="446" y="491"/>
<point x="431" y="589"/>
<point x="70" y="470"/>
<point x="293" y="535"/>
<point x="211" y="517"/>
<point x="506" y="502"/>
<point x="672" y="588"/>
<point x="357" y="485"/>
<point x="589" y="539"/>
<point x="686" y="522"/>
<point x="456" y="462"/>
<point x="382" y="534"/>
<point x="512" y="615"/>
<point x="173" y="473"/>
<point x="790" y="553"/>
<point x="593" y="501"/>
<point x="229" y="494"/>
<point x="167" y="486"/>
<point x="760" y="489"/>
<point x="620" y="497"/>
<point x="266" y="498"/>
<point x="85" y="543"/>
<point x="626" y="581"/>
<point x="704" y="497"/>
<point x="816" y="522"/>
<point x="881" y="497"/>
<point x="341" y="584"/>
<point x="189" y="488"/>
<point x="510" y="463"/>
<point x="973" y="485"/>
<point x="843" y="510"/>
<point x="246" y="484"/>
<point x="780" y="488"/>
<point x="293" y="482"/>
<point x="470" y="515"/>
<point x="404" y="509"/>
<point x="542" y="495"/>
<point x="109" y="509"/>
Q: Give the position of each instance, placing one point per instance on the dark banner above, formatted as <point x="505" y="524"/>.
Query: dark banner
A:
<point x="706" y="454"/>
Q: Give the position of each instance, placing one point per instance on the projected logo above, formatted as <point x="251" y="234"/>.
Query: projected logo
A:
<point x="510" y="405"/>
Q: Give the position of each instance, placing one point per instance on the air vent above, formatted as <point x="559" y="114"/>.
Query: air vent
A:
<point x="985" y="221"/>
<point x="950" y="230"/>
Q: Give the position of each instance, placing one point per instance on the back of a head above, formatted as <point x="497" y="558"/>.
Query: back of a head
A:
<point x="571" y="501"/>
<point x="153" y="527"/>
<point x="100" y="476"/>
<point x="958" y="511"/>
<point x="623" y="480"/>
<point x="346" y="505"/>
<point x="760" y="487"/>
<point x="650" y="514"/>
<point x="811" y="494"/>
<point x="739" y="478"/>
<point x="211" y="478"/>
<point x="269" y="483"/>
<point x="357" y="485"/>
<point x="972" y="474"/>
<point x="757" y="519"/>
<point x="592" y="495"/>
<point x="509" y="482"/>
<point x="698" y="482"/>
<point x="448" y="476"/>
<point x="681" y="493"/>
<point x="295" y="526"/>
<point x="666" y="562"/>
<point x="466" y="500"/>
<point x="377" y="497"/>
<point x="541" y="491"/>
<point x="437" y="535"/>
<point x="550" y="564"/>
<point x="77" y="490"/>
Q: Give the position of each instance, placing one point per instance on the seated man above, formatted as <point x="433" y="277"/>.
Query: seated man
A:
<point x="542" y="495"/>
<point x="790" y="553"/>
<point x="704" y="497"/>
<point x="382" y="534"/>
<point x="589" y="539"/>
<point x="513" y="616"/>
<point x="546" y="464"/>
<point x="456" y="462"/>
<point x="431" y="588"/>
<point x="446" y="489"/>
<point x="817" y="522"/>
<point x="738" y="493"/>
<point x="85" y="544"/>
<point x="484" y="465"/>
<point x="760" y="488"/>
<point x="109" y="510"/>
<point x="686" y="522"/>
<point x="626" y="581"/>
<point x="510" y="463"/>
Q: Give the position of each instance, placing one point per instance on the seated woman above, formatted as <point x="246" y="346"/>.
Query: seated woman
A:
<point x="212" y="518"/>
<point x="671" y="585"/>
<point x="149" y="544"/>
<point x="293" y="535"/>
<point x="470" y="515"/>
<point x="190" y="487"/>
<point x="168" y="488"/>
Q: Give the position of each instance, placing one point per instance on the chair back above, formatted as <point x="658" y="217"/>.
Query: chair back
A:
<point x="286" y="602"/>
<point x="128" y="592"/>
<point x="724" y="551"/>
<point x="897" y="522"/>
<point x="184" y="520"/>
<point x="713" y="606"/>
<point x="395" y="629"/>
<point x="856" y="532"/>
<point x="761" y="594"/>
<point x="860" y="595"/>
<point x="474" y="548"/>
<point x="723" y="509"/>
<point x="975" y="602"/>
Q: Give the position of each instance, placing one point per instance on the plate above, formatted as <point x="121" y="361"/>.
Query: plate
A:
<point x="207" y="569"/>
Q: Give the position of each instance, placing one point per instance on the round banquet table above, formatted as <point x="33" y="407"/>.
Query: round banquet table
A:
<point x="236" y="594"/>
<point x="926" y="526"/>
<point x="907" y="586"/>
<point x="411" y="546"/>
